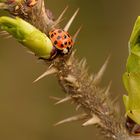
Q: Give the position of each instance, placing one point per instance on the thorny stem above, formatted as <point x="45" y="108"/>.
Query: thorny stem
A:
<point x="81" y="88"/>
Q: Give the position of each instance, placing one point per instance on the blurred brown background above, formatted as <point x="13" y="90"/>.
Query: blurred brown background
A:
<point x="26" y="112"/>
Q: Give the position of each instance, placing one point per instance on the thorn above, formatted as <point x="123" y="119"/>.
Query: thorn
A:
<point x="61" y="15"/>
<point x="99" y="75"/>
<point x="70" y="79"/>
<point x="68" y="98"/>
<point x="60" y="18"/>
<point x="74" y="118"/>
<point x="71" y="58"/>
<point x="3" y="6"/>
<point x="40" y="6"/>
<point x="91" y="77"/>
<point x="66" y="28"/>
<point x="55" y="98"/>
<point x="49" y="71"/>
<point x="77" y="107"/>
<point x="108" y="88"/>
<point x="8" y="36"/>
<point x="115" y="100"/>
<point x="3" y="33"/>
<point x="91" y="121"/>
<point x="30" y="52"/>
<point x="73" y="53"/>
<point x="76" y="34"/>
<point x="83" y="63"/>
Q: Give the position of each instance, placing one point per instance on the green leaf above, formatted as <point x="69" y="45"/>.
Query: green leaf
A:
<point x="133" y="63"/>
<point x="132" y="85"/>
<point x="134" y="39"/>
<point x="132" y="101"/>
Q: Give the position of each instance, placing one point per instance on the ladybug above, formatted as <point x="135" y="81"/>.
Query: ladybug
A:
<point x="61" y="40"/>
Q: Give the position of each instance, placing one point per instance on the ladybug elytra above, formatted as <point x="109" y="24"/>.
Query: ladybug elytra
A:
<point x="61" y="40"/>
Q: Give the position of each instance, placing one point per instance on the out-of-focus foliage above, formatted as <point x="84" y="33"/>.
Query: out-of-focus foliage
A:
<point x="131" y="78"/>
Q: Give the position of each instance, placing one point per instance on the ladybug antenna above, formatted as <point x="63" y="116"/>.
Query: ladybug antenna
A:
<point x="76" y="34"/>
<point x="61" y="15"/>
<point x="66" y="28"/>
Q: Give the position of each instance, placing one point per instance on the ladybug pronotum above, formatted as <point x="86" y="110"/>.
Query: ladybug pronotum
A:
<point x="61" y="40"/>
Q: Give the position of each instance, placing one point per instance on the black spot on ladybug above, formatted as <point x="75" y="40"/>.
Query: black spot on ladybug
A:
<point x="62" y="45"/>
<point x="55" y="42"/>
<point x="69" y="42"/>
<point x="66" y="43"/>
<point x="58" y="37"/>
<point x="59" y="31"/>
<point x="65" y="36"/>
<point x="52" y="35"/>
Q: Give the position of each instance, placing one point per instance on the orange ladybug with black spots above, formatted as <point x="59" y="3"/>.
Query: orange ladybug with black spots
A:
<point x="61" y="40"/>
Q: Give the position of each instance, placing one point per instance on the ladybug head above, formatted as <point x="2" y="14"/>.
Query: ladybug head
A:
<point x="60" y="38"/>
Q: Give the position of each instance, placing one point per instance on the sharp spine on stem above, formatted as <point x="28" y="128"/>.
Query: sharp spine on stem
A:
<point x="83" y="63"/>
<point x="3" y="6"/>
<point x="99" y="75"/>
<point x="78" y="107"/>
<point x="66" y="28"/>
<point x="69" y="61"/>
<point x="108" y="89"/>
<point x="55" y="98"/>
<point x="68" y="98"/>
<point x="91" y="121"/>
<point x="61" y="15"/>
<point x="76" y="34"/>
<point x="70" y="79"/>
<point x="49" y="71"/>
<point x="74" y="118"/>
